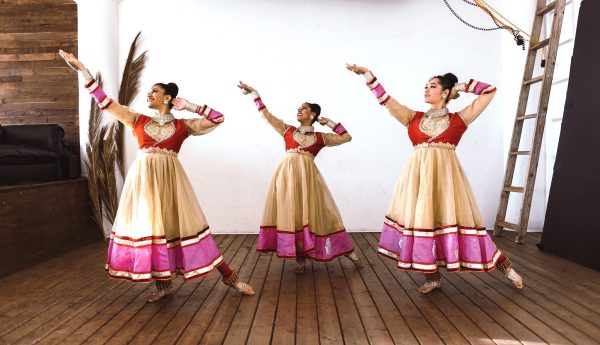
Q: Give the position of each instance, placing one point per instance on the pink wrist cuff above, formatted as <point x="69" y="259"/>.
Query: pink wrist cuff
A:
<point x="479" y="88"/>
<point x="211" y="114"/>
<point x="379" y="92"/>
<point x="339" y="129"/>
<point x="259" y="104"/>
<point x="96" y="91"/>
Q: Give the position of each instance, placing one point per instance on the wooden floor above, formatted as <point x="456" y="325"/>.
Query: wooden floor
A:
<point x="69" y="300"/>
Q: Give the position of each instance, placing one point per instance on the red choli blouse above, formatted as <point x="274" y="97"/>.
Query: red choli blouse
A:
<point x="173" y="143"/>
<point x="291" y="144"/>
<point x="451" y="135"/>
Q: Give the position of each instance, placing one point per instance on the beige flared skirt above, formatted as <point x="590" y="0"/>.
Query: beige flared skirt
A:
<point x="433" y="220"/>
<point x="433" y="191"/>
<point x="300" y="215"/>
<point x="160" y="230"/>
<point x="158" y="200"/>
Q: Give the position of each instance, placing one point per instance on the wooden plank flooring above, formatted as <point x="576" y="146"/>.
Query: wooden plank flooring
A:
<point x="69" y="300"/>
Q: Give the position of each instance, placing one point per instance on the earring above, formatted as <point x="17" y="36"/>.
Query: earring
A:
<point x="443" y="96"/>
<point x="165" y="102"/>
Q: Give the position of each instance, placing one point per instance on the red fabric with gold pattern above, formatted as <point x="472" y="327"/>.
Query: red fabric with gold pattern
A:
<point x="291" y="144"/>
<point x="173" y="143"/>
<point x="451" y="135"/>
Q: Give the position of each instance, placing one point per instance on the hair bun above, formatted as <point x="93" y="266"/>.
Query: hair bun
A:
<point x="315" y="108"/>
<point x="451" y="77"/>
<point x="173" y="89"/>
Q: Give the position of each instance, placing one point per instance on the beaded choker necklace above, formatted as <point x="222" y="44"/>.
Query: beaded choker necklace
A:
<point x="305" y="129"/>
<point x="162" y="119"/>
<point x="433" y="113"/>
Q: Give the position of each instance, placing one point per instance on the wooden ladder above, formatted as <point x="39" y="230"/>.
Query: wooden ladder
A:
<point x="558" y="6"/>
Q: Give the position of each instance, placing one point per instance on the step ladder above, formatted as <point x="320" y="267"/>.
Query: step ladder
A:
<point x="558" y="6"/>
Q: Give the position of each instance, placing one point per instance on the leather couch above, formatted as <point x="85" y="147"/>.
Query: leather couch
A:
<point x="35" y="153"/>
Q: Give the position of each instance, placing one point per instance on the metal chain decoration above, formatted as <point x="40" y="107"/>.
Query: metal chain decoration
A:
<point x="499" y="24"/>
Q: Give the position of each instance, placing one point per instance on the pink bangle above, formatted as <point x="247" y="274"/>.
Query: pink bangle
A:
<point x="259" y="104"/>
<point x="378" y="90"/>
<point x="479" y="88"/>
<point x="339" y="129"/>
<point x="96" y="91"/>
<point x="212" y="115"/>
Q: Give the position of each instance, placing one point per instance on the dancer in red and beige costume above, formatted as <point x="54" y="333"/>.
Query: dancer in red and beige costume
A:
<point x="301" y="219"/>
<point x="159" y="230"/>
<point x="433" y="220"/>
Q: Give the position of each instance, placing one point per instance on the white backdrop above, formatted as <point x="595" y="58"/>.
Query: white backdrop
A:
<point x="294" y="51"/>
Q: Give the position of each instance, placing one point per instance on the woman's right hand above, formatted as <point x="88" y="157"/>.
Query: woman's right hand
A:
<point x="71" y="60"/>
<point x="245" y="87"/>
<point x="356" y="69"/>
<point x="179" y="103"/>
<point x="454" y="93"/>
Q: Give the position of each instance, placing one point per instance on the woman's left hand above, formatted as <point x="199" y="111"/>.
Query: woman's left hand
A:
<point x="179" y="103"/>
<point x="323" y="121"/>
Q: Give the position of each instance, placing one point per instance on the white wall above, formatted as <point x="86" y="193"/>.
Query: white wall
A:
<point x="98" y="38"/>
<point x="294" y="51"/>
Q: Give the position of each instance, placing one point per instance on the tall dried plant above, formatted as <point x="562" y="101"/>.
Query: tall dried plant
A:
<point x="100" y="165"/>
<point x="105" y="148"/>
<point x="130" y="86"/>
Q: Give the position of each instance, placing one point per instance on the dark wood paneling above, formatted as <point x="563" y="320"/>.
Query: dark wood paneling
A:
<point x="35" y="84"/>
<point x="44" y="220"/>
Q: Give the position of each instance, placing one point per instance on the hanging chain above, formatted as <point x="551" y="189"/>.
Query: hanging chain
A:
<point x="498" y="27"/>
<point x="518" y="37"/>
<point x="471" y="3"/>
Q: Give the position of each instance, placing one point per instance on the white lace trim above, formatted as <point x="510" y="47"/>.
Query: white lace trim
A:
<point x="159" y="150"/>
<point x="440" y="145"/>
<point x="299" y="150"/>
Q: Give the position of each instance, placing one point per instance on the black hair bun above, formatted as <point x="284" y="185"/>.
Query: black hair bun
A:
<point x="451" y="78"/>
<point x="172" y="89"/>
<point x="315" y="108"/>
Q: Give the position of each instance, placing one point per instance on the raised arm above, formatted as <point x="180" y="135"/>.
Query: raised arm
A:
<point x="275" y="122"/>
<point x="122" y="113"/>
<point x="399" y="111"/>
<point x="339" y="136"/>
<point x="485" y="93"/>
<point x="209" y="118"/>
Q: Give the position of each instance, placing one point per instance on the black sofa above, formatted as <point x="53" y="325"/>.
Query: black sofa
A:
<point x="35" y="153"/>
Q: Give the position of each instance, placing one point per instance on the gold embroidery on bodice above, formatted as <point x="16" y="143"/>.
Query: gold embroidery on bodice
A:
<point x="434" y="122"/>
<point x="433" y="127"/>
<point x="305" y="140"/>
<point x="159" y="133"/>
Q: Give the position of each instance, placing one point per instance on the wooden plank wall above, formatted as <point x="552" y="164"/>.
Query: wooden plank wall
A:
<point x="35" y="84"/>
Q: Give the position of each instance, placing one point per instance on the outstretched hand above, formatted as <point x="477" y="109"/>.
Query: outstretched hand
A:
<point x="356" y="69"/>
<point x="323" y="121"/>
<point x="179" y="103"/>
<point x="245" y="87"/>
<point x="71" y="60"/>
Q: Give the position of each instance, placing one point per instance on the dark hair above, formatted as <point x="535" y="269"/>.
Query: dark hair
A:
<point x="447" y="81"/>
<point x="171" y="89"/>
<point x="315" y="108"/>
